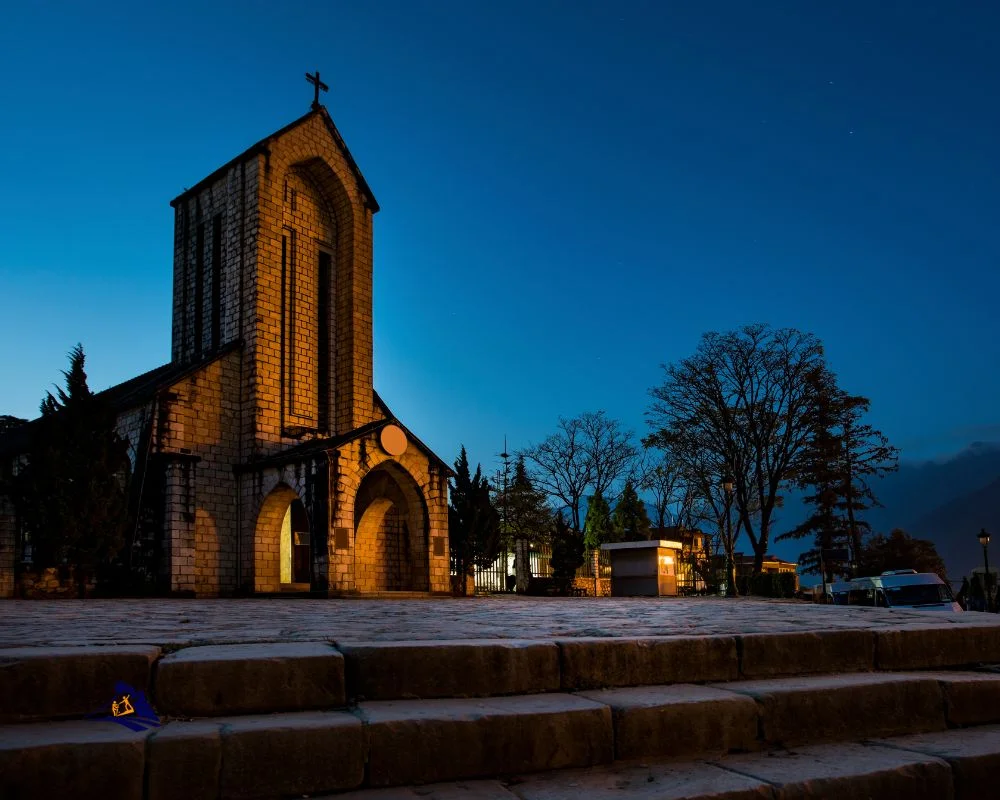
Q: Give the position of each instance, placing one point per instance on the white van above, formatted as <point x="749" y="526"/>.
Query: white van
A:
<point x="903" y="588"/>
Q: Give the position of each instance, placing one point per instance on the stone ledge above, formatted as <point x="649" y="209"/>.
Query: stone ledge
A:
<point x="291" y="754"/>
<point x="592" y="663"/>
<point x="83" y="758"/>
<point x="847" y="771"/>
<point x="38" y="683"/>
<point x="427" y="741"/>
<point x="844" y="707"/>
<point x="928" y="647"/>
<point x="467" y="668"/>
<point x="464" y="790"/>
<point x="669" y="781"/>
<point x="183" y="761"/>
<point x="765" y="655"/>
<point x="973" y="754"/>
<point x="679" y="720"/>
<point x="249" y="679"/>
<point x="971" y="698"/>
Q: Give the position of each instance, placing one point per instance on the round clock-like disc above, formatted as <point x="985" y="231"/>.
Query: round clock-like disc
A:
<point x="393" y="440"/>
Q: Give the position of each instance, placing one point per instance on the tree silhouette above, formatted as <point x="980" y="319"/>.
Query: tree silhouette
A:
<point x="71" y="491"/>
<point x="474" y="533"/>
<point x="631" y="522"/>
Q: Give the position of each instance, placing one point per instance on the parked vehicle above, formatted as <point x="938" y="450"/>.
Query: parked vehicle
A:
<point x="901" y="588"/>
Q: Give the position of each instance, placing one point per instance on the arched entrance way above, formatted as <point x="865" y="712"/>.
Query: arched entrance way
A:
<point x="390" y="523"/>
<point x="283" y="542"/>
<point x="296" y="561"/>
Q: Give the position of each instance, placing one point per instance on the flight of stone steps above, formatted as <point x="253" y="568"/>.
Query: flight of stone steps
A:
<point x="908" y="712"/>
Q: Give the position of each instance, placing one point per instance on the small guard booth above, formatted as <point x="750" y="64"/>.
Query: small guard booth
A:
<point x="644" y="569"/>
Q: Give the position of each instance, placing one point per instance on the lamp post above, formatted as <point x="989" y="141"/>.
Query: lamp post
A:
<point x="727" y="485"/>
<point x="984" y="540"/>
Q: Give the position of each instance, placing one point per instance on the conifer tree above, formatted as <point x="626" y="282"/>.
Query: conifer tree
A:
<point x="529" y="520"/>
<point x="598" y="526"/>
<point x="841" y="455"/>
<point x="474" y="533"/>
<point x="567" y="553"/>
<point x="528" y="515"/>
<point x="630" y="519"/>
<point x="71" y="493"/>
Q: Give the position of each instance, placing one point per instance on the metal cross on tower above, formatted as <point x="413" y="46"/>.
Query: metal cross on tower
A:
<point x="317" y="86"/>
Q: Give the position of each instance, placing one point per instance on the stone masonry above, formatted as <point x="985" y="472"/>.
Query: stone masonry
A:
<point x="268" y="400"/>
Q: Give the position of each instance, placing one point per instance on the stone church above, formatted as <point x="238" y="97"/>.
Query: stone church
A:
<point x="264" y="461"/>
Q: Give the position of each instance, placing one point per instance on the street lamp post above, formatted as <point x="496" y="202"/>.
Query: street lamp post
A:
<point x="727" y="485"/>
<point x="984" y="540"/>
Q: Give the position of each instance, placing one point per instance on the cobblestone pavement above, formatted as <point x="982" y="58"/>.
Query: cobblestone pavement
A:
<point x="176" y="622"/>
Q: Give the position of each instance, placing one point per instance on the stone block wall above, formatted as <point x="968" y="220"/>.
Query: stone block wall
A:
<point x="232" y="197"/>
<point x="199" y="436"/>
<point x="50" y="585"/>
<point x="8" y="547"/>
<point x="310" y="202"/>
<point x="354" y="461"/>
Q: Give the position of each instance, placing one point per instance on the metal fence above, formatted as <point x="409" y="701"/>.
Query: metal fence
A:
<point x="499" y="576"/>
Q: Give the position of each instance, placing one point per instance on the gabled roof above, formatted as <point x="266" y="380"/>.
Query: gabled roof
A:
<point x="125" y="395"/>
<point x="315" y="446"/>
<point x="263" y="146"/>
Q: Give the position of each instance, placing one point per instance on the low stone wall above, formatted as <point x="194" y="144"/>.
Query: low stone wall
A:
<point x="590" y="588"/>
<point x="48" y="585"/>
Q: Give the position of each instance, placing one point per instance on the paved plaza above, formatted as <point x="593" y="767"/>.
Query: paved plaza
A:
<point x="185" y="622"/>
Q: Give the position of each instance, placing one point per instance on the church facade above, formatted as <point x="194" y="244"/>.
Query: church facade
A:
<point x="263" y="459"/>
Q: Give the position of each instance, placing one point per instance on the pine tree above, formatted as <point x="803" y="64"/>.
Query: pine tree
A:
<point x="866" y="454"/>
<point x="598" y="526"/>
<point x="528" y="515"/>
<point x="71" y="494"/>
<point x="529" y="520"/>
<point x="474" y="532"/>
<point x="820" y="471"/>
<point x="841" y="456"/>
<point x="567" y="554"/>
<point x="630" y="518"/>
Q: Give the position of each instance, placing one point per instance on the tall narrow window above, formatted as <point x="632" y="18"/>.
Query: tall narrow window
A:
<point x="216" y="281"/>
<point x="323" y="329"/>
<point x="284" y="332"/>
<point x="199" y="288"/>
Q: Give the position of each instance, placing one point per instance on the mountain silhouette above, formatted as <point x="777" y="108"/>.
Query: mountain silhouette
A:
<point x="947" y="500"/>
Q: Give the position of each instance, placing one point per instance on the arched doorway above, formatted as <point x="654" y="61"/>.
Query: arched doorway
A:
<point x="295" y="553"/>
<point x="390" y="523"/>
<point x="282" y="542"/>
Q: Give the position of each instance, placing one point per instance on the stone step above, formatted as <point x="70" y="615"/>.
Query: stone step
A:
<point x="950" y="764"/>
<point x="51" y="683"/>
<point x="400" y="742"/>
<point x="846" y="771"/>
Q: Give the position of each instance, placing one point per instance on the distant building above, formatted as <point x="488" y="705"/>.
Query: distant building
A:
<point x="692" y="544"/>
<point x="771" y="565"/>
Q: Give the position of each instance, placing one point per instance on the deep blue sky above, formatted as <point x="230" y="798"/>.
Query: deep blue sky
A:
<point x="572" y="192"/>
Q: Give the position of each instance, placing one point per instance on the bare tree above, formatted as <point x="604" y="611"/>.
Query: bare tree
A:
<point x="609" y="449"/>
<point x="561" y="465"/>
<point x="663" y="480"/>
<point x="745" y="399"/>
<point x="586" y="455"/>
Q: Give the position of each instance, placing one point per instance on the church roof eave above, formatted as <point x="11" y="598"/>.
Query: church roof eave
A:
<point x="123" y="396"/>
<point x="314" y="447"/>
<point x="263" y="148"/>
<point x="390" y="417"/>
